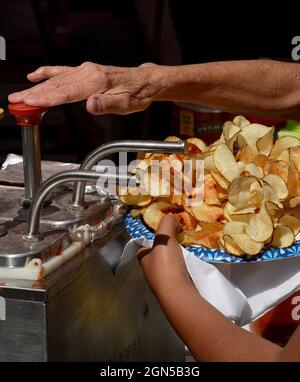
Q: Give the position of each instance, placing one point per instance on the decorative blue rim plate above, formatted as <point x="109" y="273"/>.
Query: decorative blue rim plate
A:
<point x="136" y="229"/>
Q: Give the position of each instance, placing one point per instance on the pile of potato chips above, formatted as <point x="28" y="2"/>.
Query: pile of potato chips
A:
<point x="251" y="191"/>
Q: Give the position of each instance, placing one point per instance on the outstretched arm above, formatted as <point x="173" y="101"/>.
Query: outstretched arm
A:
<point x="262" y="87"/>
<point x="208" y="334"/>
<point x="259" y="87"/>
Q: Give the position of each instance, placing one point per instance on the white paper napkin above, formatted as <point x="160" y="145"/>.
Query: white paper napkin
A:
<point x="241" y="291"/>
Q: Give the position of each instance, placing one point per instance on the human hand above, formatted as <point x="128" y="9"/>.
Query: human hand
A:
<point x="107" y="89"/>
<point x="163" y="265"/>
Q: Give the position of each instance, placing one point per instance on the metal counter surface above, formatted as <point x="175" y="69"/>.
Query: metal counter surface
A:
<point x="87" y="310"/>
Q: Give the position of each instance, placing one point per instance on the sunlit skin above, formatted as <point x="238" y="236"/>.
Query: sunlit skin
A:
<point x="208" y="334"/>
<point x="264" y="87"/>
<point x="259" y="87"/>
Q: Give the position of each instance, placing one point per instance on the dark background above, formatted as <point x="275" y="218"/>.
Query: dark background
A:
<point x="128" y="33"/>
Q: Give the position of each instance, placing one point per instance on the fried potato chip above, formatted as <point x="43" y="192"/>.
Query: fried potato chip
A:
<point x="260" y="161"/>
<point x="250" y="198"/>
<point x="230" y="133"/>
<point x="278" y="168"/>
<point x="223" y="183"/>
<point x="290" y="221"/>
<point x="230" y="246"/>
<point x="295" y="157"/>
<point x="206" y="213"/>
<point x="211" y="227"/>
<point x="252" y="134"/>
<point x="173" y="138"/>
<point x="156" y="211"/>
<point x="148" y="157"/>
<point x="136" y="200"/>
<point x="294" y="202"/>
<point x="175" y="163"/>
<point x="230" y="130"/>
<point x="260" y="226"/>
<point x="209" y="163"/>
<point x="154" y="183"/>
<point x="141" y="155"/>
<point x="273" y="209"/>
<point x="237" y="232"/>
<point x="186" y="204"/>
<point x="235" y="228"/>
<point x="240" y="121"/>
<point x="231" y="210"/>
<point x="222" y="194"/>
<point x="245" y="192"/>
<point x="270" y="195"/>
<point x="187" y="221"/>
<point x="225" y="163"/>
<point x="282" y="237"/>
<point x="283" y="143"/>
<point x="195" y="143"/>
<point x="243" y="217"/>
<point x="208" y="236"/>
<point x="265" y="143"/>
<point x="134" y="196"/>
<point x="199" y="238"/>
<point x="135" y="212"/>
<point x="293" y="181"/>
<point x="139" y="165"/>
<point x="284" y="156"/>
<point x="246" y="154"/>
<point x="278" y="184"/>
<point x="210" y="191"/>
<point x="247" y="245"/>
<point x="176" y="199"/>
<point x="220" y="243"/>
<point x="241" y="166"/>
<point x="253" y="170"/>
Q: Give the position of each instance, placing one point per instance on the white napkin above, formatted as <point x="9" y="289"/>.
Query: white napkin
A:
<point x="241" y="291"/>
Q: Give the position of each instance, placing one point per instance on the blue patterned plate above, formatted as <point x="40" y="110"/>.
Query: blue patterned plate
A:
<point x="136" y="229"/>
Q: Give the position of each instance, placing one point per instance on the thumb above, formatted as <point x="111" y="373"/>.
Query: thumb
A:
<point x="168" y="226"/>
<point x="167" y="229"/>
<point x="108" y="104"/>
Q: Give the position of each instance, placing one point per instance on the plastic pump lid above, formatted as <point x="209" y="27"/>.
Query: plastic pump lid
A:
<point x="27" y="115"/>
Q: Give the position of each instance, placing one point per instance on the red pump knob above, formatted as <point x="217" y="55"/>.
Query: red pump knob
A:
<point x="27" y="115"/>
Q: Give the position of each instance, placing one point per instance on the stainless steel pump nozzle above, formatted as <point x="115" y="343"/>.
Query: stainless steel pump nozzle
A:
<point x="33" y="234"/>
<point x="120" y="146"/>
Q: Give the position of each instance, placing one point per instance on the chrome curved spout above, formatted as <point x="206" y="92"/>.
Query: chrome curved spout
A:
<point x="54" y="181"/>
<point x="120" y="146"/>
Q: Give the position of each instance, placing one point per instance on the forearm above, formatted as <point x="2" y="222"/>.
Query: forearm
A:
<point x="208" y="334"/>
<point x="264" y="87"/>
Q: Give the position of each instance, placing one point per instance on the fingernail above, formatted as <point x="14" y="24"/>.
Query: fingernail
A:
<point x="15" y="97"/>
<point x="96" y="104"/>
<point x="178" y="227"/>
